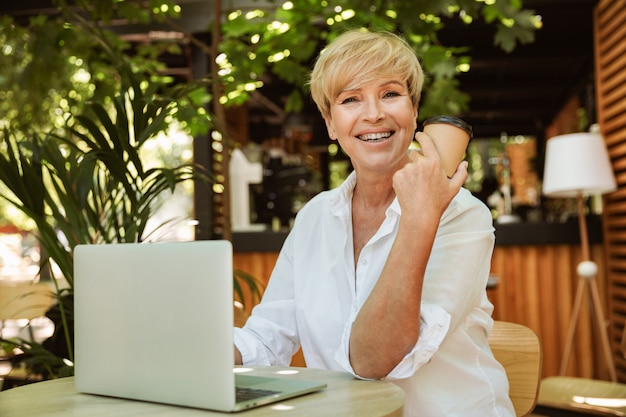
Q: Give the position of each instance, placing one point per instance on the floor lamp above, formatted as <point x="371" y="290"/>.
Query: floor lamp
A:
<point x="578" y="165"/>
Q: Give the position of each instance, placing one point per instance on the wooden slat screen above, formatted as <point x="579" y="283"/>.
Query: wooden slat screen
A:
<point x="537" y="287"/>
<point x="610" y="61"/>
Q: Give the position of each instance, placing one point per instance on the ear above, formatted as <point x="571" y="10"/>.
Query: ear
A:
<point x="331" y="131"/>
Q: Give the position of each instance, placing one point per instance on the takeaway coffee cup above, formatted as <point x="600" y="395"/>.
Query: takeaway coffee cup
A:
<point x="451" y="136"/>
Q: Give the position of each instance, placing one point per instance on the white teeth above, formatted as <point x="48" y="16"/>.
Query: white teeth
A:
<point x="375" y="136"/>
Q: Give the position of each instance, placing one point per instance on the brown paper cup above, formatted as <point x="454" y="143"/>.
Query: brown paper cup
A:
<point x="451" y="137"/>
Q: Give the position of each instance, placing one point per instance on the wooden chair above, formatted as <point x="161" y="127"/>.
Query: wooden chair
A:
<point x="24" y="301"/>
<point x="518" y="349"/>
<point x="20" y="302"/>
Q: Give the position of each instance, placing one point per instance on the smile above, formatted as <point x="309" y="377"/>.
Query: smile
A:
<point x="375" y="137"/>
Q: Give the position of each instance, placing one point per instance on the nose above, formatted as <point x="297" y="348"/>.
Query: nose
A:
<point x="373" y="111"/>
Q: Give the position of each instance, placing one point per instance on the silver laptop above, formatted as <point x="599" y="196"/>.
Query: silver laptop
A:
<point x="154" y="322"/>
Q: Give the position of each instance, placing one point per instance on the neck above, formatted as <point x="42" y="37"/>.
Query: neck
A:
<point x="372" y="193"/>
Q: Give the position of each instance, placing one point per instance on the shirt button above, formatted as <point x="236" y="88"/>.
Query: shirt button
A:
<point x="364" y="262"/>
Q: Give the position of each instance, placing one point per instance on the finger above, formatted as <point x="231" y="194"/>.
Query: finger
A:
<point x="460" y="175"/>
<point x="426" y="143"/>
<point x="413" y="154"/>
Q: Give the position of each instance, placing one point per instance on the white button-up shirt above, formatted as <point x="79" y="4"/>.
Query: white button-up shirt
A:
<point x="315" y="293"/>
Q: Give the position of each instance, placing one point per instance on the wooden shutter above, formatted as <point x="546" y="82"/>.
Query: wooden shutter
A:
<point x="610" y="61"/>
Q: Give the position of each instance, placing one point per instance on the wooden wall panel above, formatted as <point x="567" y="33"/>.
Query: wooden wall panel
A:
<point x="610" y="66"/>
<point x="536" y="288"/>
<point x="257" y="264"/>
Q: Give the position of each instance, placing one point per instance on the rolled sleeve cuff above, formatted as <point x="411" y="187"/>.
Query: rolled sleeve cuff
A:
<point x="434" y="325"/>
<point x="342" y="355"/>
<point x="252" y="351"/>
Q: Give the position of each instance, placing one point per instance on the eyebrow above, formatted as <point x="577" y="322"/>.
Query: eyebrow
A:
<point x="385" y="84"/>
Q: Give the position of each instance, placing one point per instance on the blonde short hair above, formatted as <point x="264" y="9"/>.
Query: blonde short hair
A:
<point x="359" y="56"/>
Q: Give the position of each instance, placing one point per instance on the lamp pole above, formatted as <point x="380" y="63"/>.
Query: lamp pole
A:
<point x="587" y="271"/>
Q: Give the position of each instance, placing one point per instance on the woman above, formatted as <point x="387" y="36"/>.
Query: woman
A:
<point x="385" y="276"/>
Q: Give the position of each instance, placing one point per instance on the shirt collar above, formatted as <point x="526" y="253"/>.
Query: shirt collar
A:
<point x="342" y="201"/>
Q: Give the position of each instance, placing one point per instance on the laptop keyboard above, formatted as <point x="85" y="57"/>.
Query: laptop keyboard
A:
<point x="245" y="394"/>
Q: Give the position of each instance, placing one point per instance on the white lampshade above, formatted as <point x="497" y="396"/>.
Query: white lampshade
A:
<point x="577" y="163"/>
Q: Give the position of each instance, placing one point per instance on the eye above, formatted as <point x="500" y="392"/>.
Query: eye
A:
<point x="391" y="94"/>
<point x="348" y="100"/>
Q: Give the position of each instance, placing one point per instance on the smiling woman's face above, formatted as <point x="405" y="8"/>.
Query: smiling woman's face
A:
<point x="357" y="58"/>
<point x="374" y="123"/>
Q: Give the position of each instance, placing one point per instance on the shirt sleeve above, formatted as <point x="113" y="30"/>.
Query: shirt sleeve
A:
<point x="270" y="335"/>
<point x="460" y="261"/>
<point x="252" y="352"/>
<point x="434" y="325"/>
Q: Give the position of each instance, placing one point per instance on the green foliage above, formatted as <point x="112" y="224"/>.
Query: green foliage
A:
<point x="85" y="181"/>
<point x="88" y="183"/>
<point x="243" y="279"/>
<point x="54" y="65"/>
<point x="297" y="30"/>
<point x="39" y="360"/>
<point x="36" y="85"/>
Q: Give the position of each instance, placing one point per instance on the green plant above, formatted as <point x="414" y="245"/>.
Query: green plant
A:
<point x="88" y="183"/>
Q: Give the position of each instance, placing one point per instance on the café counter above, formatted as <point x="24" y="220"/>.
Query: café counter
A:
<point x="507" y="234"/>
